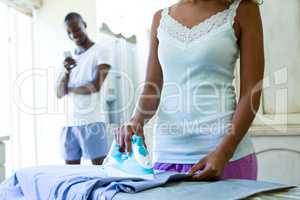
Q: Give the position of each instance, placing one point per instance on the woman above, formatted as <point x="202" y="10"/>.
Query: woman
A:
<point x="200" y="128"/>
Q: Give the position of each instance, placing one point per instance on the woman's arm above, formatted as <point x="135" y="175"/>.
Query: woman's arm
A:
<point x="248" y="21"/>
<point x="149" y="99"/>
<point x="251" y="75"/>
<point x="95" y="85"/>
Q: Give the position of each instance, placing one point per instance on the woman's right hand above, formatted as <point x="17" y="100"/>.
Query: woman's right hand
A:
<point x="123" y="134"/>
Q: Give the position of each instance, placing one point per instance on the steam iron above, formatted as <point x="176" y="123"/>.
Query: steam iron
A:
<point x="136" y="164"/>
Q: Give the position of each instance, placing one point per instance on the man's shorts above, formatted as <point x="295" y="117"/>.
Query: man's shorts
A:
<point x="87" y="141"/>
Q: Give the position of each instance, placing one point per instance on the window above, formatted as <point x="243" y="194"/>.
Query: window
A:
<point x="16" y="58"/>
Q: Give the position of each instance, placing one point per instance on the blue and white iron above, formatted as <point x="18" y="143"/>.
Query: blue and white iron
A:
<point x="136" y="164"/>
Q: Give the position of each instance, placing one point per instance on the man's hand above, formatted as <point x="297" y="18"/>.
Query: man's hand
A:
<point x="69" y="64"/>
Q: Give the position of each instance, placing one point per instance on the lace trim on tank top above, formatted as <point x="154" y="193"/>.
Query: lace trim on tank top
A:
<point x="185" y="34"/>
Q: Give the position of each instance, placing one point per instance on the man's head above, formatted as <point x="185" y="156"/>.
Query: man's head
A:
<point x="76" y="28"/>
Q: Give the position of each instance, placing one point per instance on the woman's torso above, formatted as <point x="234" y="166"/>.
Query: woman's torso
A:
<point x="198" y="97"/>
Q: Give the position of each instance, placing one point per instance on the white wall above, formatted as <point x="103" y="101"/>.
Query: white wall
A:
<point x="50" y="40"/>
<point x="276" y="131"/>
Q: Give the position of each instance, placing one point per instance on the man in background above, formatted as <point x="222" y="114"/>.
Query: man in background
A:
<point x="84" y="134"/>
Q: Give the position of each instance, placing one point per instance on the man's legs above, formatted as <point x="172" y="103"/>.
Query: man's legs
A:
<point x="70" y="146"/>
<point x="98" y="161"/>
<point x="94" y="143"/>
<point x="72" y="162"/>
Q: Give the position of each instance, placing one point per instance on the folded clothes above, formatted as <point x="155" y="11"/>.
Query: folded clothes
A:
<point x="75" y="182"/>
<point x="92" y="183"/>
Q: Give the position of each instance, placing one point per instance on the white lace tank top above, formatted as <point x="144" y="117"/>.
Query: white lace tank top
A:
<point x="198" y="98"/>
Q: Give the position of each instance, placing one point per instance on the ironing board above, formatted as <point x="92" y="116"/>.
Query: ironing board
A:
<point x="179" y="191"/>
<point x="40" y="183"/>
<point x="293" y="193"/>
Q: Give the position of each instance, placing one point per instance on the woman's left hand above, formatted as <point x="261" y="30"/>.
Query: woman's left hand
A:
<point x="211" y="167"/>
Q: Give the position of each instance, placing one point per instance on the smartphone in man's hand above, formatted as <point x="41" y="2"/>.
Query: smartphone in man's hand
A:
<point x="69" y="62"/>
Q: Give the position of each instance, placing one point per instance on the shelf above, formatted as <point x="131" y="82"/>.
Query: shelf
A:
<point x="277" y="130"/>
<point x="4" y="138"/>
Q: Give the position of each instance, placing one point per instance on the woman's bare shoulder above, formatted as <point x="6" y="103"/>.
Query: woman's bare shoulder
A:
<point x="248" y="14"/>
<point x="248" y="9"/>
